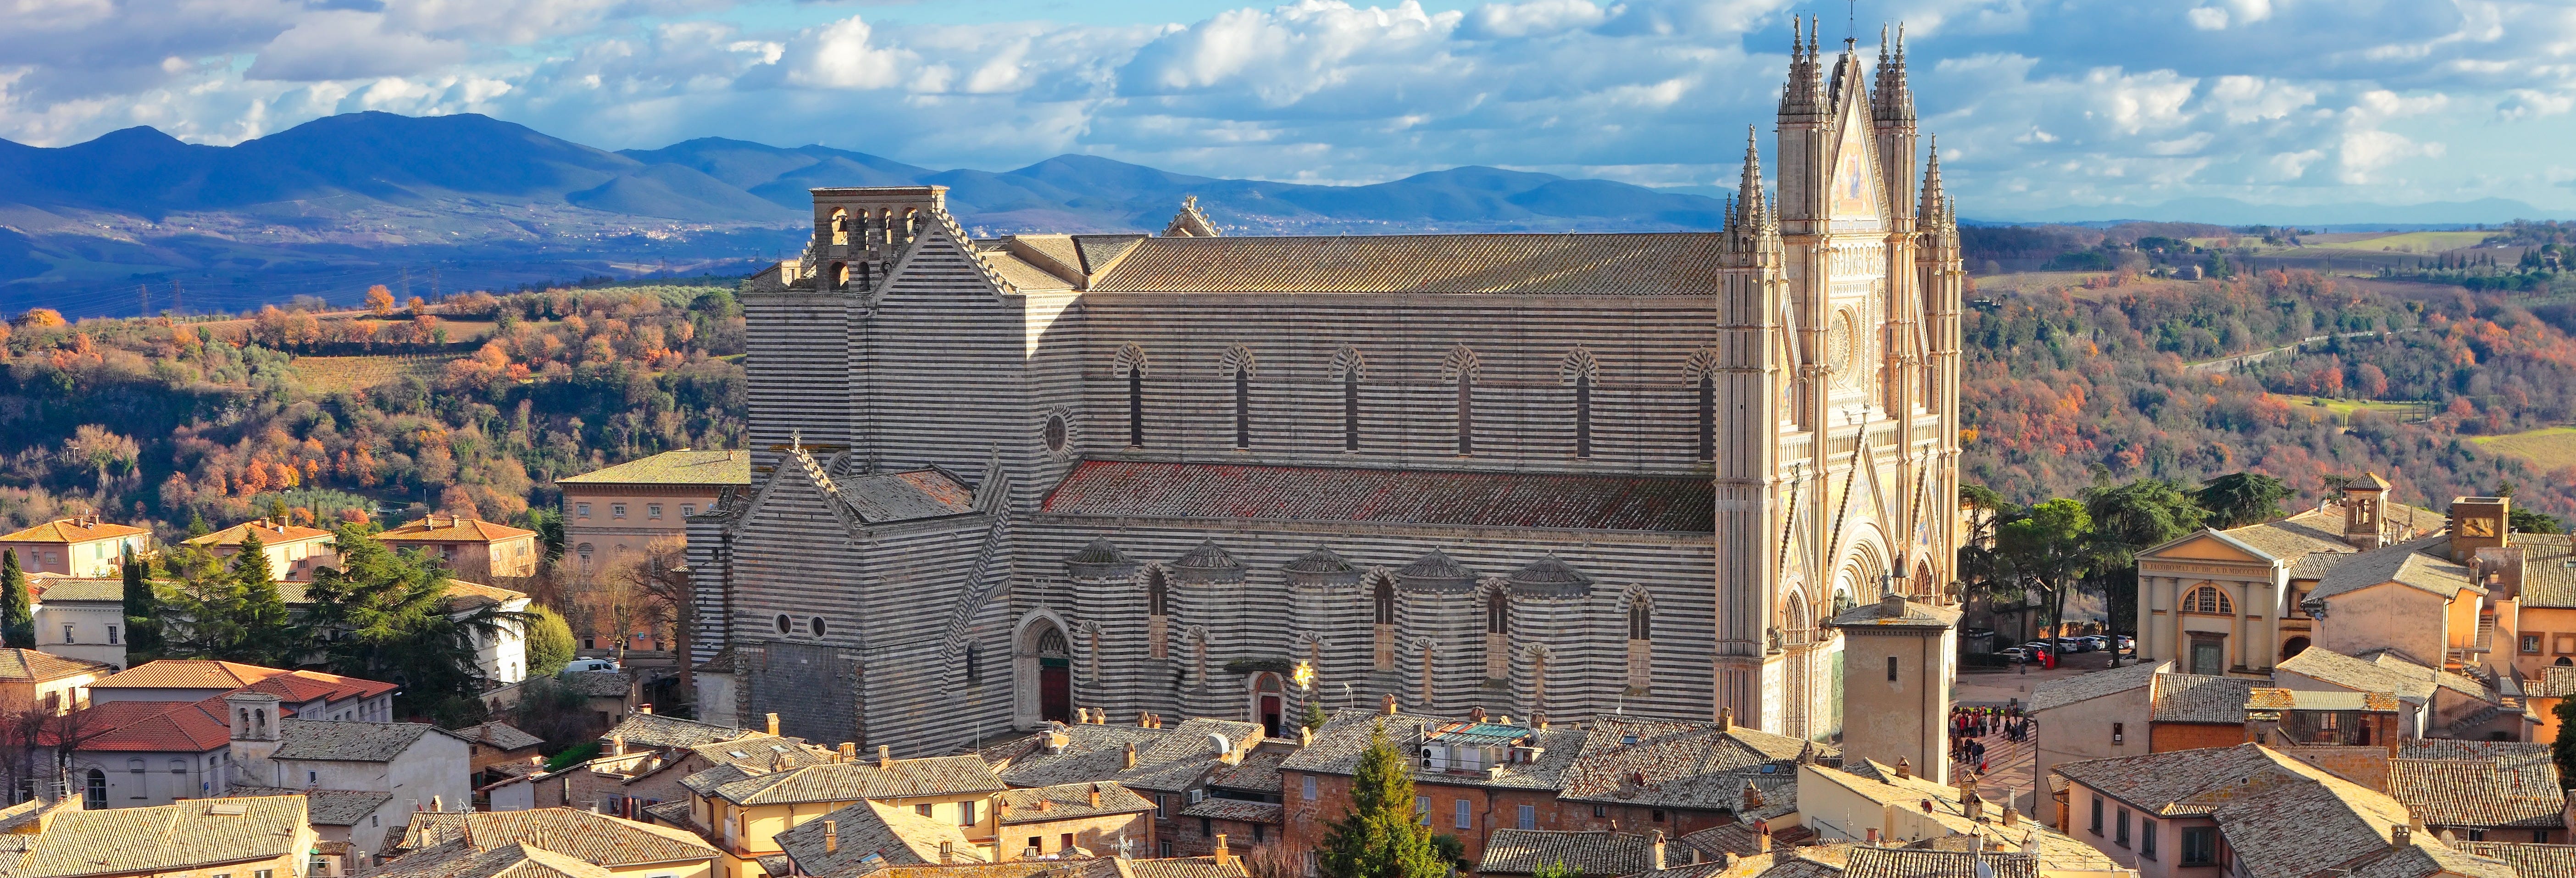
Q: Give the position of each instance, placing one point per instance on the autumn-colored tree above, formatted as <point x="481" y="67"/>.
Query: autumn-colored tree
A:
<point x="380" y="301"/>
<point x="41" y="318"/>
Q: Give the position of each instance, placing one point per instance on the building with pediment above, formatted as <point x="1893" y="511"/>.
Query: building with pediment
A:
<point x="999" y="480"/>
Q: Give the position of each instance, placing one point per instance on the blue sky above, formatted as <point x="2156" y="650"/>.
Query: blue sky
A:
<point x="2038" y="103"/>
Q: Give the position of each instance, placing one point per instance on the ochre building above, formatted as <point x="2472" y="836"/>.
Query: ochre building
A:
<point x="1560" y="475"/>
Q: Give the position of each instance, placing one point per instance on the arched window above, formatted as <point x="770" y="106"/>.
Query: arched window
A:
<point x="1708" y="417"/>
<point x="841" y="226"/>
<point x="1498" y="641"/>
<point x="1460" y="366"/>
<point x="1582" y="372"/>
<point x="1382" y="600"/>
<point x="1641" y="645"/>
<point x="2208" y="599"/>
<point x="1157" y="621"/>
<point x="1130" y="363"/>
<point x="94" y="793"/>
<point x="1346" y="367"/>
<point x="1427" y="668"/>
<point x="1238" y="363"/>
<point x="1498" y="613"/>
<point x="974" y="673"/>
<point x="1051" y="642"/>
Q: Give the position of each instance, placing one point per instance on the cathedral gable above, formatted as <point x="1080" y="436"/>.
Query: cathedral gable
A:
<point x="1854" y="202"/>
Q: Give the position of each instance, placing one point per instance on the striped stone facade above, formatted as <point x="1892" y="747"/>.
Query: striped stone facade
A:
<point x="1570" y="475"/>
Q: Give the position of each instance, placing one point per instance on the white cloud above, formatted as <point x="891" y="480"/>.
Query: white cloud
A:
<point x="2208" y="18"/>
<point x="841" y="56"/>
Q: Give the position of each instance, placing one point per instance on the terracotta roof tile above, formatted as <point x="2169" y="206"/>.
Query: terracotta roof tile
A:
<point x="271" y="534"/>
<point x="20" y="665"/>
<point x="2548" y="569"/>
<point x="500" y="735"/>
<point x="187" y="674"/>
<point x="1305" y="493"/>
<point x="1169" y="759"/>
<point x="2287" y="826"/>
<point x="595" y="838"/>
<point x="656" y="730"/>
<point x="460" y="860"/>
<point x="443" y="528"/>
<point x="348" y="740"/>
<point x="1237" y="810"/>
<point x="2085" y="687"/>
<point x="324" y="807"/>
<point x="849" y="781"/>
<point x="1258" y="772"/>
<point x="296" y="687"/>
<point x="44" y="587"/>
<point x="166" y="838"/>
<point x="1685" y="765"/>
<point x="159" y="726"/>
<point x="2528" y="859"/>
<point x="2405" y="563"/>
<point x="1339" y="743"/>
<point x="2200" y="698"/>
<point x="70" y="530"/>
<point x="1907" y="862"/>
<point x="1068" y="802"/>
<point x="1601" y="264"/>
<point x="1180" y="867"/>
<point x="2478" y="793"/>
<point x="868" y="835"/>
<point x="1525" y="851"/>
<point x="673" y="468"/>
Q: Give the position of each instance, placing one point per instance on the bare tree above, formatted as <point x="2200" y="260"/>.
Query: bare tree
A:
<point x="659" y="586"/>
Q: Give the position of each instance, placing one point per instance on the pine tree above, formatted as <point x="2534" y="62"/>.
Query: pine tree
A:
<point x="266" y="637"/>
<point x="17" y="611"/>
<point x="142" y="611"/>
<point x="2564" y="748"/>
<point x="1381" y="836"/>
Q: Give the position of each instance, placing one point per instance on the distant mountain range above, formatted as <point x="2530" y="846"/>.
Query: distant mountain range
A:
<point x="2355" y="216"/>
<point x="139" y="220"/>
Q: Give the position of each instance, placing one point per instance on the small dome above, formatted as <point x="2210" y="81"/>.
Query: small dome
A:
<point x="1436" y="572"/>
<point x="1208" y="563"/>
<point x="1319" y="568"/>
<point x="1550" y="577"/>
<point x="1099" y="560"/>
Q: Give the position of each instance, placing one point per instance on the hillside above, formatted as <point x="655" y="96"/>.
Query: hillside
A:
<point x="138" y="222"/>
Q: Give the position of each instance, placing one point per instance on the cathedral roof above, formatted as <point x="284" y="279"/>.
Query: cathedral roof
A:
<point x="1238" y="492"/>
<point x="1595" y="264"/>
<point x="1550" y="577"/>
<point x="1100" y="559"/>
<point x="1321" y="566"/>
<point x="1436" y="571"/>
<point x="1208" y="562"/>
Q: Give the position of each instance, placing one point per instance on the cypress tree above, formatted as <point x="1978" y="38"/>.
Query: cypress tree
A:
<point x="17" y="611"/>
<point x="142" y="612"/>
<point x="1381" y="836"/>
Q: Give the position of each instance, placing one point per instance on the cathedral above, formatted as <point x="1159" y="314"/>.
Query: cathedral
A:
<point x="999" y="482"/>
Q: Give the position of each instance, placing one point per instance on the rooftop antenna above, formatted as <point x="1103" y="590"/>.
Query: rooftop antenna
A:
<point x="1851" y="22"/>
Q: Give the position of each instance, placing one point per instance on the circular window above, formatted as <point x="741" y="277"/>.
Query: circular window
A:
<point x="1839" y="347"/>
<point x="817" y="622"/>
<point x="784" y="625"/>
<point x="1055" y="430"/>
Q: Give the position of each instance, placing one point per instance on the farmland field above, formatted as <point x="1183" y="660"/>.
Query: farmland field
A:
<point x="2411" y="242"/>
<point x="2548" y="448"/>
<point x="352" y="374"/>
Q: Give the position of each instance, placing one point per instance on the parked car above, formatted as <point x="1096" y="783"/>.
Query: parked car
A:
<point x="2095" y="642"/>
<point x="577" y="666"/>
<point x="2128" y="644"/>
<point x="2074" y="644"/>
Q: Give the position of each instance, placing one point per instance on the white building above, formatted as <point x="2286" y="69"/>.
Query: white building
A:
<point x="80" y="619"/>
<point x="417" y="766"/>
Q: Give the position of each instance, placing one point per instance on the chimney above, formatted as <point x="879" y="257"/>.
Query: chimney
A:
<point x="1388" y="706"/>
<point x="773" y="724"/>
<point x="1129" y="763"/>
<point x="1904" y="768"/>
<point x="1144" y="720"/>
<point x="1043" y="804"/>
<point x="1305" y="736"/>
<point x="1873" y="836"/>
<point x="1475" y="714"/>
<point x="1540" y="720"/>
<point x="1762" y="836"/>
<point x="617" y="745"/>
<point x="1223" y="856"/>
<point x="947" y="852"/>
<point x="2401" y="836"/>
<point x="831" y="836"/>
<point x="1726" y="719"/>
<point x="1752" y="798"/>
<point x="1655" y="850"/>
<point x="2012" y="815"/>
<point x="849" y="752"/>
<point x="885" y="756"/>
<point x="645" y="709"/>
<point x="1095" y="795"/>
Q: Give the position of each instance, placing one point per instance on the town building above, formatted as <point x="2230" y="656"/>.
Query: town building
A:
<point x="255" y="836"/>
<point x="36" y="681"/>
<point x="311" y="695"/>
<point x="80" y="619"/>
<point x="2482" y="790"/>
<point x="496" y="742"/>
<point x="294" y="550"/>
<point x="2258" y="810"/>
<point x="471" y="548"/>
<point x="1594" y="852"/>
<point x="619" y="848"/>
<point x="2437" y="702"/>
<point x="143" y="753"/>
<point x="1869" y="803"/>
<point x="1581" y="475"/>
<point x="336" y="816"/>
<point x="611" y="515"/>
<point x="83" y="547"/>
<point x="419" y="767"/>
<point x="1169" y="765"/>
<point x="745" y="811"/>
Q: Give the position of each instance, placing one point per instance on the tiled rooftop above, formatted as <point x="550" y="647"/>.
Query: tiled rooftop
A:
<point x="2528" y="859"/>
<point x="2085" y="687"/>
<point x="595" y="838"/>
<point x="348" y="740"/>
<point x="1907" y="862"/>
<point x="499" y="735"/>
<point x="324" y="807"/>
<point x="187" y="674"/>
<point x="2406" y="563"/>
<point x="1525" y="851"/>
<point x="2285" y="826"/>
<point x="445" y="528"/>
<point x="673" y="468"/>
<point x="1139" y="489"/>
<point x="867" y="836"/>
<point x="1258" y="772"/>
<point x="270" y="533"/>
<point x="182" y="837"/>
<point x="1237" y="810"/>
<point x="852" y="781"/>
<point x="1068" y="802"/>
<point x="460" y="860"/>
<point x="2548" y="569"/>
<point x="2479" y="793"/>
<point x="1345" y="736"/>
<point x="73" y="530"/>
<point x="2200" y="698"/>
<point x="1169" y="759"/>
<point x="1600" y="264"/>
<point x="656" y="730"/>
<point x="159" y="726"/>
<point x="1686" y="765"/>
<point x="29" y="666"/>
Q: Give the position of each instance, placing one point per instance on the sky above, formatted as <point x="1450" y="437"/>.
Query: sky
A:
<point x="2036" y="103"/>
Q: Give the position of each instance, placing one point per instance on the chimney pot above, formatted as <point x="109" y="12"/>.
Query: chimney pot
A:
<point x="1130" y="760"/>
<point x="1655" y="849"/>
<point x="617" y="745"/>
<point x="1388" y="706"/>
<point x="2401" y="836"/>
<point x="1873" y="836"/>
<point x="1223" y="856"/>
<point x="773" y="724"/>
<point x="885" y="756"/>
<point x="1725" y="719"/>
<point x="1475" y="714"/>
<point x="2012" y="815"/>
<point x="645" y="709"/>
<point x="831" y="836"/>
<point x="1095" y="795"/>
<point x="1904" y="768"/>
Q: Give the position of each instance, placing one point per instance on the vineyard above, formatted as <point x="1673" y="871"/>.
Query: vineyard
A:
<point x="323" y="375"/>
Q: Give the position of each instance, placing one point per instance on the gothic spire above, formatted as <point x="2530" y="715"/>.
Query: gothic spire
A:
<point x="1933" y="199"/>
<point x="1894" y="100"/>
<point x="1750" y="208"/>
<point x="1805" y="92"/>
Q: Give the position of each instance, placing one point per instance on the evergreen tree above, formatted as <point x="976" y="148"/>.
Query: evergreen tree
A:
<point x="17" y="611"/>
<point x="142" y="611"/>
<point x="1381" y="836"/>
<point x="390" y="612"/>
<point x="1314" y="718"/>
<point x="2241" y="499"/>
<point x="2564" y="748"/>
<point x="203" y="612"/>
<point x="550" y="643"/>
<point x="267" y="635"/>
<point x="197" y="526"/>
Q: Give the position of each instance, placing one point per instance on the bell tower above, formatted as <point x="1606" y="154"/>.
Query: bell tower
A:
<point x="2365" y="512"/>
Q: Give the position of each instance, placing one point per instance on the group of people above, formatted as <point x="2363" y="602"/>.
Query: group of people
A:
<point x="1970" y="725"/>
